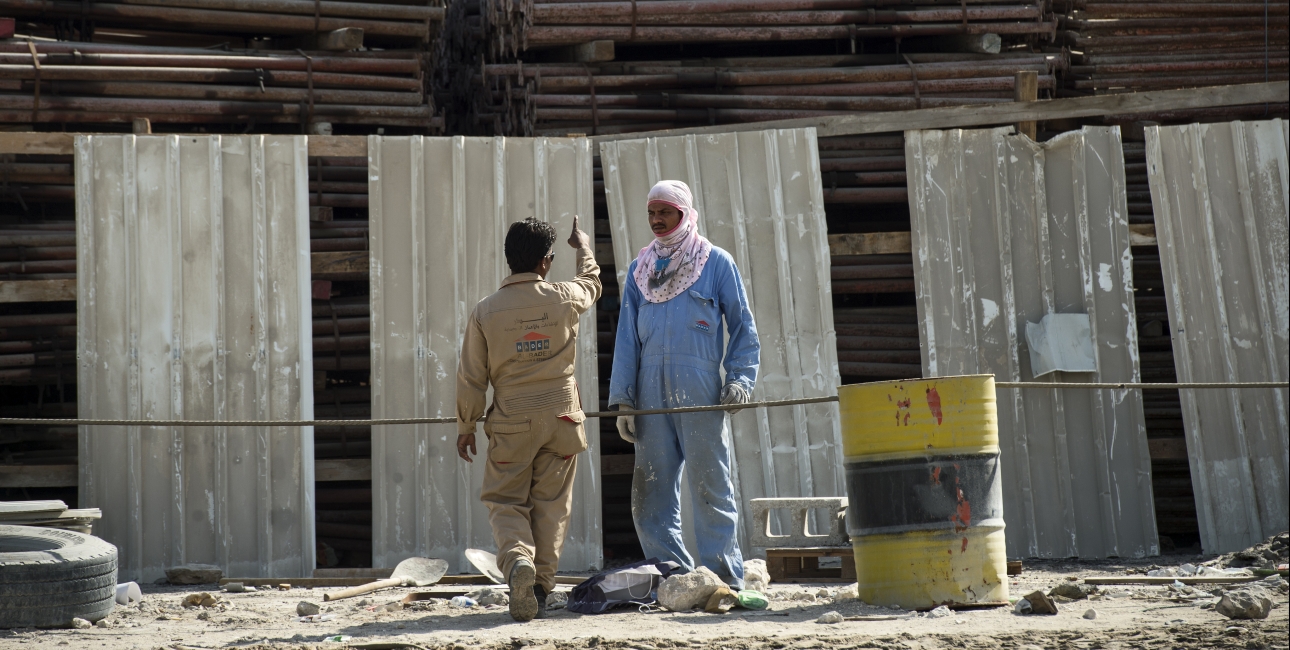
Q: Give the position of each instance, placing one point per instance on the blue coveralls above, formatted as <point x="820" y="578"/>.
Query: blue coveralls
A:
<point x="668" y="355"/>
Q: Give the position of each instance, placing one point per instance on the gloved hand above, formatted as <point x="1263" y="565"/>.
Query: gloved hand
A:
<point x="627" y="424"/>
<point x="733" y="393"/>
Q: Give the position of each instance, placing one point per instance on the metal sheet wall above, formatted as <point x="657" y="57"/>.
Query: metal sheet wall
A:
<point x="1004" y="232"/>
<point x="1220" y="197"/>
<point x="193" y="302"/>
<point x="759" y="197"/>
<point x="439" y="210"/>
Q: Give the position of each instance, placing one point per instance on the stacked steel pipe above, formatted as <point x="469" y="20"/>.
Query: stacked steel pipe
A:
<point x="606" y="98"/>
<point x="1154" y="44"/>
<point x="61" y="82"/>
<point x="514" y="26"/>
<point x="390" y="22"/>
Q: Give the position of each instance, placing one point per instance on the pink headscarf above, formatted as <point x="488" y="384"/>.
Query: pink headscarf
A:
<point x="682" y="251"/>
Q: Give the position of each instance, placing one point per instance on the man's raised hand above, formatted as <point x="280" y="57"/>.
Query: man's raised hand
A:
<point x="577" y="238"/>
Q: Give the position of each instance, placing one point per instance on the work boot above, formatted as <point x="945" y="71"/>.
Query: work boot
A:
<point x="524" y="604"/>
<point x="540" y="594"/>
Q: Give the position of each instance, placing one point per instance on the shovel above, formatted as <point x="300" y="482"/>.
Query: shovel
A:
<point x="486" y="563"/>
<point x="412" y="572"/>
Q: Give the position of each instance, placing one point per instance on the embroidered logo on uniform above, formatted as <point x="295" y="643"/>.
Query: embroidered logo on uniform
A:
<point x="703" y="325"/>
<point x="533" y="342"/>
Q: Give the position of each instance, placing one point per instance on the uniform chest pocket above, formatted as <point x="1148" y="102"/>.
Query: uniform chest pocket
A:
<point x="704" y="317"/>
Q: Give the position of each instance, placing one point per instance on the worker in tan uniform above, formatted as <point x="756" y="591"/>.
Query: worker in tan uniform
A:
<point x="523" y="339"/>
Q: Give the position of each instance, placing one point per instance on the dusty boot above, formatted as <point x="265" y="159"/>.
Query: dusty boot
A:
<point x="540" y="594"/>
<point x="524" y="604"/>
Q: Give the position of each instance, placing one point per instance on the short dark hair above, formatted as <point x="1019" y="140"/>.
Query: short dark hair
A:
<point x="527" y="242"/>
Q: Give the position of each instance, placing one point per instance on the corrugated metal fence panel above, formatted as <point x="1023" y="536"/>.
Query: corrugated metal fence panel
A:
<point x="1220" y="198"/>
<point x="759" y="197"/>
<point x="439" y="212"/>
<point x="193" y="302"/>
<point x="1004" y="232"/>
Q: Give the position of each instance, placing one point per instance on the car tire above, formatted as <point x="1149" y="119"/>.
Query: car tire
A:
<point x="50" y="576"/>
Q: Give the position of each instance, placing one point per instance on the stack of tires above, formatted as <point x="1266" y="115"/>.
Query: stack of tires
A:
<point x="50" y="576"/>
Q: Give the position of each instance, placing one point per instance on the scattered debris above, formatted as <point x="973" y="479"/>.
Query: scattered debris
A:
<point x="317" y="618"/>
<point x="103" y="623"/>
<point x="830" y="618"/>
<point x="1015" y="567"/>
<point x="749" y="599"/>
<point x="81" y="624"/>
<point x="1265" y="555"/>
<point x="236" y="587"/>
<point x="721" y="601"/>
<point x="1244" y="604"/>
<point x="1072" y="591"/>
<point x="1187" y="570"/>
<point x="849" y="592"/>
<point x="1036" y="602"/>
<point x="756" y="577"/>
<point x="1168" y="580"/>
<point x="682" y="593"/>
<point x="199" y="600"/>
<point x="488" y="596"/>
<point x="463" y="601"/>
<point x="804" y="596"/>
<point x="1276" y="582"/>
<point x="557" y="600"/>
<point x="940" y="612"/>
<point x="306" y="608"/>
<point x="128" y="593"/>
<point x="1090" y="614"/>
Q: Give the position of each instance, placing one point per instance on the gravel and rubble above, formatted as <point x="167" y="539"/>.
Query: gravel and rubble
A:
<point x="1125" y="616"/>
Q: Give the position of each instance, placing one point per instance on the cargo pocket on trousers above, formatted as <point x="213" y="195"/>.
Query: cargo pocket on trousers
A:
<point x="570" y="435"/>
<point x="508" y="440"/>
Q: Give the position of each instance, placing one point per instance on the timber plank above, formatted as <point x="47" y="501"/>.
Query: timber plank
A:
<point x="1009" y="113"/>
<point x="37" y="290"/>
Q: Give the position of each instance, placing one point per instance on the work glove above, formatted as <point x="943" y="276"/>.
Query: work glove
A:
<point x="734" y="393"/>
<point x="627" y="424"/>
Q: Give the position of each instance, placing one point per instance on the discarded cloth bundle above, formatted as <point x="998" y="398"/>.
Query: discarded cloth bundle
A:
<point x="634" y="584"/>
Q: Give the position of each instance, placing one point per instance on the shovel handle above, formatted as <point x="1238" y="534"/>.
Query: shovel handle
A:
<point x="362" y="589"/>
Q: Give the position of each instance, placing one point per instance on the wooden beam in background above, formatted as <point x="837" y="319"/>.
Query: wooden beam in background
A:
<point x="996" y="114"/>
<point x="342" y="469"/>
<point x="37" y="476"/>
<point x="869" y="243"/>
<point x="37" y="290"/>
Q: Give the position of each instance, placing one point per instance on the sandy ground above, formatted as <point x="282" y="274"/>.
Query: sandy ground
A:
<point x="1127" y="617"/>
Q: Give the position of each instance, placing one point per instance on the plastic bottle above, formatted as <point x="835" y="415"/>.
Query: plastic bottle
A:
<point x="463" y="601"/>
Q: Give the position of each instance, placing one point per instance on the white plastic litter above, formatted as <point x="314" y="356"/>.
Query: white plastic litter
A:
<point x="128" y="593"/>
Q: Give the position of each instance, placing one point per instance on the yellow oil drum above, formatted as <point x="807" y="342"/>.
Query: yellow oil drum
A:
<point x="925" y="511"/>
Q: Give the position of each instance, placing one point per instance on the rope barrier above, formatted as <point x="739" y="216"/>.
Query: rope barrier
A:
<point x="609" y="414"/>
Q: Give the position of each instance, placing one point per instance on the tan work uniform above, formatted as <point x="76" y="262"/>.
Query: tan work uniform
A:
<point x="523" y="339"/>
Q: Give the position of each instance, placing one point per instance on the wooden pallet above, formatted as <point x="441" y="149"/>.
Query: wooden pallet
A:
<point x="803" y="564"/>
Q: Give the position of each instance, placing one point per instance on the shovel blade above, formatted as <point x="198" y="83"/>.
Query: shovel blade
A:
<point x="421" y="571"/>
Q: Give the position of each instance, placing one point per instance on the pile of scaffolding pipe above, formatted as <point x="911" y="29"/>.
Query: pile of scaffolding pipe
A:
<point x="514" y="26"/>
<point x="394" y="21"/>
<point x="89" y="83"/>
<point x="608" y="98"/>
<point x="1143" y="45"/>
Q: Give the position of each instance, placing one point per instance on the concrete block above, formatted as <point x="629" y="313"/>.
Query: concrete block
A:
<point x="798" y="536"/>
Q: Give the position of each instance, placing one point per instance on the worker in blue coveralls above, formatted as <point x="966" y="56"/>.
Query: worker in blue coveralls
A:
<point x="669" y="354"/>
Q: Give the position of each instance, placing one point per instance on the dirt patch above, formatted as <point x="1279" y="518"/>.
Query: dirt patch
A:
<point x="1128" y="616"/>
